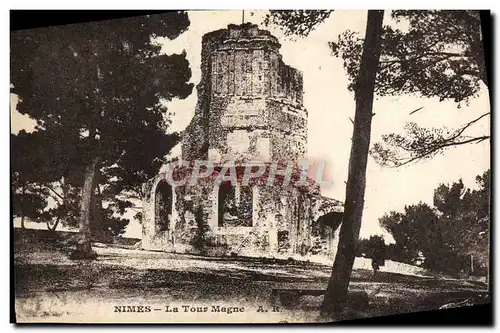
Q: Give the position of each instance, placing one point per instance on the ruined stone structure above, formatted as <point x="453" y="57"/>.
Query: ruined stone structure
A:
<point x="249" y="112"/>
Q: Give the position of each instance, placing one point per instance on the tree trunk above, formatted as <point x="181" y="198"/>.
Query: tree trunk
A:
<point x="98" y="229"/>
<point x="23" y="226"/>
<point x="483" y="59"/>
<point x="84" y="248"/>
<point x="337" y="291"/>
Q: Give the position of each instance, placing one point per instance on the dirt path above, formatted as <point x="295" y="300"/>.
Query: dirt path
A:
<point x="50" y="287"/>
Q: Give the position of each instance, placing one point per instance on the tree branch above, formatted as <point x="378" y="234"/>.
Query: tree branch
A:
<point x="436" y="149"/>
<point x="53" y="191"/>
<point x="467" y="125"/>
<point x="419" y="147"/>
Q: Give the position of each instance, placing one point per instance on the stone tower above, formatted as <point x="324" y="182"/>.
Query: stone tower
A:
<point x="249" y="102"/>
<point x="250" y="112"/>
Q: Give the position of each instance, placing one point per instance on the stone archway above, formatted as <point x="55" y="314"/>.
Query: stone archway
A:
<point x="163" y="206"/>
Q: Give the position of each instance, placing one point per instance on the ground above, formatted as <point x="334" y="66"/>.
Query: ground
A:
<point x="50" y="287"/>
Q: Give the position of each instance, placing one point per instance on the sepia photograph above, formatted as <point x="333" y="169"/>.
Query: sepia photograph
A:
<point x="250" y="166"/>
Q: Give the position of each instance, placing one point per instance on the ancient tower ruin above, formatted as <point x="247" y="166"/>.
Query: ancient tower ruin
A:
<point x="249" y="112"/>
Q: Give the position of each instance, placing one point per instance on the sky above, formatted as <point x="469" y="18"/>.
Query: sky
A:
<point x="330" y="105"/>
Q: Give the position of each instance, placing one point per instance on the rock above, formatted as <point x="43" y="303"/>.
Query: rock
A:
<point x="466" y="302"/>
<point x="358" y="300"/>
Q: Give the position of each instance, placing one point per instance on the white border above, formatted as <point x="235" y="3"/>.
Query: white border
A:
<point x="187" y="4"/>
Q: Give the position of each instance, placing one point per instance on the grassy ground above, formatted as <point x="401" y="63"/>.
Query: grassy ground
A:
<point x="50" y="287"/>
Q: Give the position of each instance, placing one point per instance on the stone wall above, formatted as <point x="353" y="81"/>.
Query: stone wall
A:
<point x="283" y="223"/>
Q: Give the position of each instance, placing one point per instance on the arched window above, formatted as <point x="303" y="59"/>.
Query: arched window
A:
<point x="163" y="205"/>
<point x="235" y="206"/>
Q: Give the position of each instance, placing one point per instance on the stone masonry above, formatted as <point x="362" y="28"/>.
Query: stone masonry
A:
<point x="250" y="112"/>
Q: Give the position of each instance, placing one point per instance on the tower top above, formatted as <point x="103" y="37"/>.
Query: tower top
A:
<point x="249" y="100"/>
<point x="245" y="32"/>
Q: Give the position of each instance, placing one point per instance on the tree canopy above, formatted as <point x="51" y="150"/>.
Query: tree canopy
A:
<point x="297" y="22"/>
<point x="427" y="53"/>
<point x="98" y="91"/>
<point x="440" y="55"/>
<point x="434" y="53"/>
<point x="101" y="83"/>
<point x="449" y="232"/>
<point x="373" y="247"/>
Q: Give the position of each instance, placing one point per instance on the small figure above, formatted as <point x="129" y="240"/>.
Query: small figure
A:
<point x="378" y="253"/>
<point x="375" y="266"/>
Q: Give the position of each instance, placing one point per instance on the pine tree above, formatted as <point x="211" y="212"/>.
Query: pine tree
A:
<point x="99" y="89"/>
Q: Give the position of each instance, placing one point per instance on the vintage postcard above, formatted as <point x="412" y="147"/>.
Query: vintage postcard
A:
<point x="256" y="166"/>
